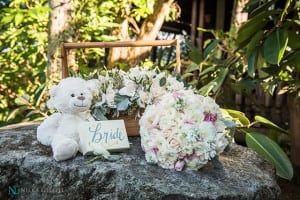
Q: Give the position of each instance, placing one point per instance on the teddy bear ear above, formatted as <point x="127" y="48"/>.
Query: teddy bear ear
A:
<point x="52" y="92"/>
<point x="93" y="86"/>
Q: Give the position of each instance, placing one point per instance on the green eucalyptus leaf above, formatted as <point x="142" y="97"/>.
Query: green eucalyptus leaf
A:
<point x="272" y="152"/>
<point x="162" y="81"/>
<point x="99" y="115"/>
<point x="230" y="124"/>
<point x="217" y="163"/>
<point x="275" y="46"/>
<point x="122" y="102"/>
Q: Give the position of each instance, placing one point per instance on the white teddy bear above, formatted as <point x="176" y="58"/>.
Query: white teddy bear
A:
<point x="72" y="99"/>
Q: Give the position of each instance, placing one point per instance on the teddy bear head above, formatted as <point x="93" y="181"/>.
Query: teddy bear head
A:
<point x="72" y="95"/>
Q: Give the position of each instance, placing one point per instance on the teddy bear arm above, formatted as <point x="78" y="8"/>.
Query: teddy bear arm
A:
<point x="48" y="128"/>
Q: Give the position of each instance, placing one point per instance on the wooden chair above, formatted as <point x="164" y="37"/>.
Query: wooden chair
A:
<point x="67" y="46"/>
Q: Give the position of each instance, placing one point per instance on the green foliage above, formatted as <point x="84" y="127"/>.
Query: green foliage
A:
<point x="272" y="152"/>
<point x="261" y="52"/>
<point x="211" y="67"/>
<point x="23" y="46"/>
<point x="260" y="142"/>
<point x="24" y="41"/>
<point x="265" y="50"/>
<point x="270" y="40"/>
<point x="95" y="21"/>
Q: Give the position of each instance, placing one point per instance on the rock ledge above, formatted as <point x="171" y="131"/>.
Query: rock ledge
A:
<point x="28" y="171"/>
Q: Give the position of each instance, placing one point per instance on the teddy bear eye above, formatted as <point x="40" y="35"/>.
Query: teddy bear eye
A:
<point x="72" y="95"/>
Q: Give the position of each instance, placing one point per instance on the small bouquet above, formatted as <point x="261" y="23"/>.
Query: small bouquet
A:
<point x="182" y="130"/>
<point x="127" y="92"/>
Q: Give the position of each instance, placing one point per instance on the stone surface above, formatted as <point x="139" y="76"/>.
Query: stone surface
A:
<point x="28" y="171"/>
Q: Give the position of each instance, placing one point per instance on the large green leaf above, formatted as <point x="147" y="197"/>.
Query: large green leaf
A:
<point x="269" y="124"/>
<point x="190" y="45"/>
<point x="214" y="84"/>
<point x="192" y="67"/>
<point x="252" y="63"/>
<point x="208" y="69"/>
<point x="209" y="48"/>
<point x="254" y="42"/>
<point x="239" y="117"/>
<point x="293" y="59"/>
<point x="294" y="39"/>
<point x="253" y="25"/>
<point x="274" y="46"/>
<point x="243" y="84"/>
<point x="186" y="75"/>
<point x="195" y="57"/>
<point x="272" y="152"/>
<point x="220" y="78"/>
<point x="262" y="8"/>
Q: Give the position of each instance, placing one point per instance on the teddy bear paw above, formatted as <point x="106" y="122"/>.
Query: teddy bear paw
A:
<point x="64" y="149"/>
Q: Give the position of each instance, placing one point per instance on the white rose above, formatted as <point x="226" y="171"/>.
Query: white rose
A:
<point x="129" y="89"/>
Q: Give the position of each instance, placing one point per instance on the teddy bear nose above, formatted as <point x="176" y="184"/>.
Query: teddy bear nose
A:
<point x="81" y="98"/>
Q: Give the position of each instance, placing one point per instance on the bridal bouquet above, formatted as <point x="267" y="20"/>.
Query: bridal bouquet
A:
<point x="130" y="91"/>
<point x="182" y="130"/>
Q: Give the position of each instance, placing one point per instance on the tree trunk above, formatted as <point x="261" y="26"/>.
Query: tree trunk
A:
<point x="59" y="18"/>
<point x="238" y="16"/>
<point x="294" y="109"/>
<point x="120" y="54"/>
<point x="149" y="31"/>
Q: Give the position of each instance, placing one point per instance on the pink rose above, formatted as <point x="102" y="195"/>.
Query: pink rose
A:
<point x="177" y="95"/>
<point x="179" y="165"/>
<point x="187" y="121"/>
<point x="210" y="117"/>
<point x="155" y="149"/>
<point x="174" y="144"/>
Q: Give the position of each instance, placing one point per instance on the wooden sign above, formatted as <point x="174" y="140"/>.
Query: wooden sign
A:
<point x="110" y="135"/>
